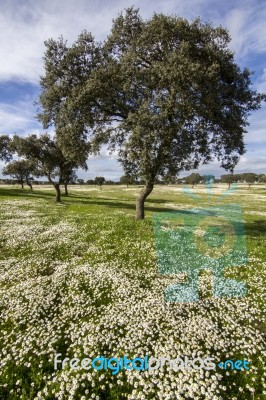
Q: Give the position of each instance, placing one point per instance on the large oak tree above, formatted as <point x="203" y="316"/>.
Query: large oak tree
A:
<point x="168" y="93"/>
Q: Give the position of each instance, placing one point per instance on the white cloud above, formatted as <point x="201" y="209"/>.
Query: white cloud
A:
<point x="257" y="130"/>
<point x="261" y="82"/>
<point x="251" y="164"/>
<point x="247" y="28"/>
<point x="109" y="168"/>
<point x="17" y="117"/>
<point x="236" y="20"/>
<point x="26" y="25"/>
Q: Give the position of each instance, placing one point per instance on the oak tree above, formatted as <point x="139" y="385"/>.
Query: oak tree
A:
<point x="22" y="171"/>
<point x="46" y="155"/>
<point x="5" y="151"/>
<point x="228" y="178"/>
<point x="250" y="178"/>
<point x="193" y="179"/>
<point x="166" y="92"/>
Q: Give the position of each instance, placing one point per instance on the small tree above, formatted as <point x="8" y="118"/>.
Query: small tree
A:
<point x="21" y="170"/>
<point x="99" y="180"/>
<point x="193" y="179"/>
<point x="69" y="176"/>
<point x="249" y="178"/>
<point x="238" y="178"/>
<point x="127" y="180"/>
<point x="229" y="178"/>
<point x="45" y="153"/>
<point x="262" y="178"/>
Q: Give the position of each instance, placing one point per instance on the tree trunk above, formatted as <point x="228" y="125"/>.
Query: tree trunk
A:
<point x="66" y="190"/>
<point x="229" y="185"/>
<point x="58" y="193"/>
<point x="141" y="200"/>
<point x="29" y="184"/>
<point x="22" y="186"/>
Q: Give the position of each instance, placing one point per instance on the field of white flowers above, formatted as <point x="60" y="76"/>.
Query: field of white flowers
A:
<point x="81" y="279"/>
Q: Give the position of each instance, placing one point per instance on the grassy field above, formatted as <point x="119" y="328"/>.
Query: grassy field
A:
<point x="81" y="278"/>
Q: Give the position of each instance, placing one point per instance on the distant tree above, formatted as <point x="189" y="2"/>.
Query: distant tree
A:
<point x="228" y="178"/>
<point x="249" y="178"/>
<point x="22" y="171"/>
<point x="69" y="176"/>
<point x="262" y="178"/>
<point x="238" y="177"/>
<point x="127" y="180"/>
<point x="5" y="151"/>
<point x="9" y="181"/>
<point x="80" y="181"/>
<point x="47" y="157"/>
<point x="90" y="182"/>
<point x="193" y="179"/>
<point x="99" y="180"/>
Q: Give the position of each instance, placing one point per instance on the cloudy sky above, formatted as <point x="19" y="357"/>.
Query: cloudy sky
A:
<point x="26" y="24"/>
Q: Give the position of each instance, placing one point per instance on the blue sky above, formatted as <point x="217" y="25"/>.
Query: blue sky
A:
<point x="26" y="24"/>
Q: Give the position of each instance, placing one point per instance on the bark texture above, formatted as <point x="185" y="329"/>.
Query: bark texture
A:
<point x="66" y="189"/>
<point x="141" y="200"/>
<point x="58" y="193"/>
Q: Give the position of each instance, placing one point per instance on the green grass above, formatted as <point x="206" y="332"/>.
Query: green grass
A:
<point x="81" y="278"/>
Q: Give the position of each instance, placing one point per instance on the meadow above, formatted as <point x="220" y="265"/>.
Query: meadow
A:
<point x="81" y="278"/>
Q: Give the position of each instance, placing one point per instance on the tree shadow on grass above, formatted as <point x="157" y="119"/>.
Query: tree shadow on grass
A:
<point x="10" y="192"/>
<point x="76" y="199"/>
<point x="255" y="228"/>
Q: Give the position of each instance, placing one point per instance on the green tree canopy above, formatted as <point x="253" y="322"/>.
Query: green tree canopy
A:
<point x="46" y="155"/>
<point x="21" y="170"/>
<point x="127" y="179"/>
<point x="262" y="178"/>
<point x="166" y="92"/>
<point x="228" y="178"/>
<point x="66" y="72"/>
<point x="5" y="151"/>
<point x="193" y="179"/>
<point x="250" y="178"/>
<point x="99" y="180"/>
